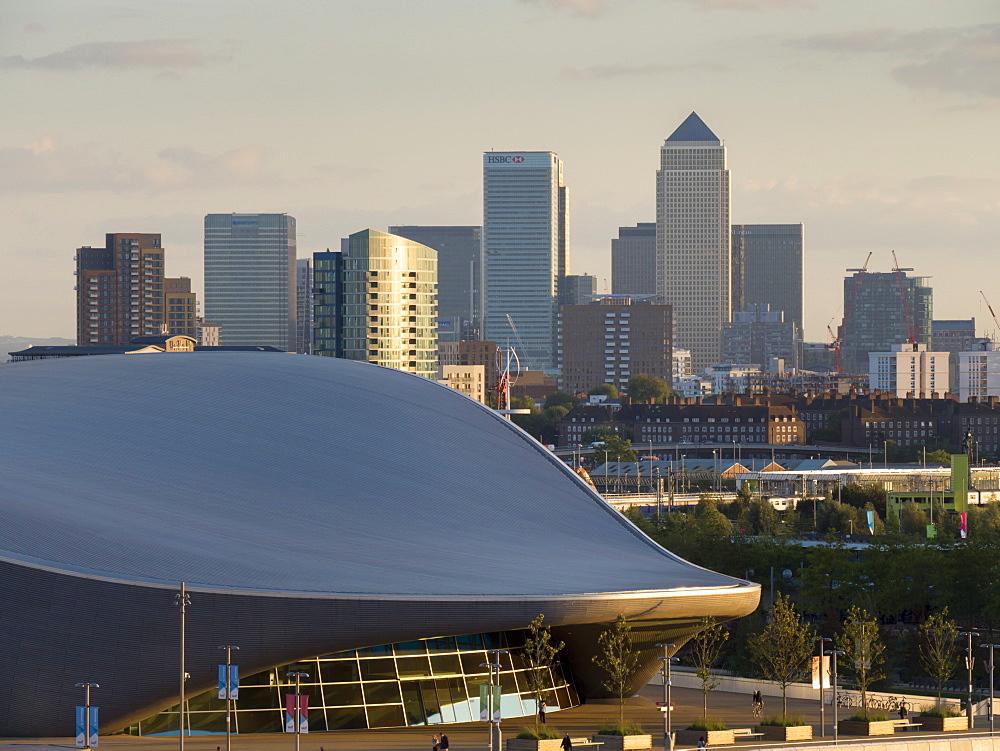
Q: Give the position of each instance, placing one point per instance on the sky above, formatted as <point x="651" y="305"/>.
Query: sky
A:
<point x="873" y="122"/>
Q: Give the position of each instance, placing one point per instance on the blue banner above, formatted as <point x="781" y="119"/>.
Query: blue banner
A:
<point x="91" y="729"/>
<point x="871" y="522"/>
<point x="234" y="682"/>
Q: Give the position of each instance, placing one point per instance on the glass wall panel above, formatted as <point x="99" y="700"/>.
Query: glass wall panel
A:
<point x="382" y="693"/>
<point x="386" y="716"/>
<point x="343" y="694"/>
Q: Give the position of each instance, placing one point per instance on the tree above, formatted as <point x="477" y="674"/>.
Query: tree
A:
<point x="605" y="389"/>
<point x="863" y="650"/>
<point x="560" y="399"/>
<point x="937" y="647"/>
<point x="617" y="448"/>
<point x="704" y="650"/>
<point x="619" y="659"/>
<point x="643" y="387"/>
<point x="782" y="650"/>
<point x="540" y="652"/>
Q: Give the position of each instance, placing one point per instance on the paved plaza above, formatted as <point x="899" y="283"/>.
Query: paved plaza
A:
<point x="733" y="709"/>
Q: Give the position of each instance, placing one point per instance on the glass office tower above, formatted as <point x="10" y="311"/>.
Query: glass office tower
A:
<point x="768" y="268"/>
<point x="526" y="242"/>
<point x="250" y="278"/>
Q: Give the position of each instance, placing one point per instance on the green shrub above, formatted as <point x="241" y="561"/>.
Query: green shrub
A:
<point x="784" y="720"/>
<point x="539" y="733"/>
<point x="621" y="728"/>
<point x="939" y="710"/>
<point x="869" y="717"/>
<point x="709" y="723"/>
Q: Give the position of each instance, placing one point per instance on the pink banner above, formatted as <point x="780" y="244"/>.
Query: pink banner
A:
<point x="965" y="529"/>
<point x="290" y="713"/>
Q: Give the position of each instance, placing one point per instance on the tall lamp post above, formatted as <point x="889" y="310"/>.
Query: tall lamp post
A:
<point x="86" y="710"/>
<point x="182" y="600"/>
<point x="991" y="647"/>
<point x="658" y="485"/>
<point x="493" y="724"/>
<point x="968" y="664"/>
<point x="668" y="737"/>
<point x="834" y="654"/>
<point x="228" y="692"/>
<point x="822" y="675"/>
<point x="298" y="676"/>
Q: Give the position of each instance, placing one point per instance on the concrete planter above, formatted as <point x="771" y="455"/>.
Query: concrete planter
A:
<point x="791" y="733"/>
<point x="526" y="744"/>
<point x="712" y="737"/>
<point x="623" y="742"/>
<point x="857" y="727"/>
<point x="942" y="724"/>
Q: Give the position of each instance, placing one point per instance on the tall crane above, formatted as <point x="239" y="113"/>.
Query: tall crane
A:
<point x="911" y="329"/>
<point x="838" y="340"/>
<point x="995" y="321"/>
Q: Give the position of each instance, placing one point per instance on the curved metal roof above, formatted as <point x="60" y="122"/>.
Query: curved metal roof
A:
<point x="295" y="474"/>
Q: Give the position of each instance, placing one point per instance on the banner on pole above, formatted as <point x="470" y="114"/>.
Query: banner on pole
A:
<point x="234" y="682"/>
<point x="290" y="713"/>
<point x="821" y="674"/>
<point x="484" y="705"/>
<point x="965" y="530"/>
<point x="86" y="726"/>
<point x="871" y="522"/>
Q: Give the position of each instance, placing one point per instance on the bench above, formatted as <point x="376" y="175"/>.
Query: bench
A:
<point x="585" y="743"/>
<point x="905" y="724"/>
<point x="746" y="733"/>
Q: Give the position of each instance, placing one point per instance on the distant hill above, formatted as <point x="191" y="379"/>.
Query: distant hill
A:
<point x="14" y="343"/>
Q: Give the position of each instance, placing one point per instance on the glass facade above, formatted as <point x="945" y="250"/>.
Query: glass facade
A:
<point x="326" y="294"/>
<point x="768" y="268"/>
<point x="633" y="260"/>
<point x="424" y="682"/>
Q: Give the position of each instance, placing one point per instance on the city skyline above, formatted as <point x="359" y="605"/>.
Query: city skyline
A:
<point x="870" y="128"/>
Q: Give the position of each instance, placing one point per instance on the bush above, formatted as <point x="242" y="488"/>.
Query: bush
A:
<point x="784" y="720"/>
<point x="709" y="723"/>
<point x="939" y="710"/>
<point x="869" y="717"/>
<point x="539" y="733"/>
<point x="621" y="728"/>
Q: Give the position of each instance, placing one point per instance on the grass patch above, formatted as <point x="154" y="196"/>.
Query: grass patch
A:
<point x="939" y="710"/>
<point x="870" y="716"/>
<point x="621" y="728"/>
<point x="709" y="723"/>
<point x="784" y="720"/>
<point x="539" y="733"/>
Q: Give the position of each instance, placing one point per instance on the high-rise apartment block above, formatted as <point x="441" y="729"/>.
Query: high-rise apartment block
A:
<point x="877" y="319"/>
<point x="303" y="305"/>
<point x="327" y="303"/>
<point x="119" y="289"/>
<point x="693" y="258"/>
<point x="909" y="370"/>
<point x="758" y="335"/>
<point x="181" y="306"/>
<point x="610" y="340"/>
<point x="460" y="276"/>
<point x="250" y="278"/>
<point x="768" y="268"/>
<point x="954" y="337"/>
<point x="526" y="242"/>
<point x="388" y="302"/>
<point x="978" y="375"/>
<point x="633" y="260"/>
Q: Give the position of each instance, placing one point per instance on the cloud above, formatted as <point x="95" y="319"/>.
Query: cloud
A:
<point x="46" y="166"/>
<point x="152" y="53"/>
<point x="959" y="60"/>
<point x="34" y="28"/>
<point x="620" y="70"/>
<point x="585" y="8"/>
<point x="752" y="4"/>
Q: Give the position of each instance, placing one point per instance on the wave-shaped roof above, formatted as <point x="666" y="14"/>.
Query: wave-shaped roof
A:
<point x="307" y="475"/>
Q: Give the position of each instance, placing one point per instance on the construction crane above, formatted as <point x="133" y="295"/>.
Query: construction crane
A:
<point x="911" y="329"/>
<point x="517" y="338"/>
<point x="995" y="321"/>
<point x="838" y="340"/>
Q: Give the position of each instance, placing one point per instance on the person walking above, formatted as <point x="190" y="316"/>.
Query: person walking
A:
<point x="541" y="711"/>
<point x="758" y="704"/>
<point x="701" y="742"/>
<point x="443" y="743"/>
<point x="567" y="744"/>
<point x="435" y="743"/>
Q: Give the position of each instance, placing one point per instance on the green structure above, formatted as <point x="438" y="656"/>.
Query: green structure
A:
<point x="951" y="492"/>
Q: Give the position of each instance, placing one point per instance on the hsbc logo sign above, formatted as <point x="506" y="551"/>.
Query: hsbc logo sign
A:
<point x="497" y="159"/>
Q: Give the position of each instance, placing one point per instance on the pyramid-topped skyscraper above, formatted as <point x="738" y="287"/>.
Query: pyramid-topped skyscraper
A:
<point x="693" y="261"/>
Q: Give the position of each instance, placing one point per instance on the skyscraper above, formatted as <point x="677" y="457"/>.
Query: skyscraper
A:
<point x="460" y="277"/>
<point x="757" y="335"/>
<point x="327" y="303"/>
<point x="181" y="306"/>
<point x="693" y="238"/>
<point x="768" y="268"/>
<point x="119" y="289"/>
<point x="303" y="305"/>
<point x="389" y="302"/>
<point x="526" y="243"/>
<point x="633" y="260"/>
<point x="250" y="278"/>
<point x="877" y="319"/>
<point x="577" y="289"/>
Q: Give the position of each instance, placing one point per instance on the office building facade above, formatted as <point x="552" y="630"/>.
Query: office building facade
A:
<point x="610" y="340"/>
<point x="909" y="370"/>
<point x="768" y="268"/>
<point x="389" y="302"/>
<point x="327" y="299"/>
<point x="119" y="289"/>
<point x="978" y="375"/>
<point x="693" y="253"/>
<point x="250" y="278"/>
<point x="876" y="318"/>
<point x="526" y="245"/>
<point x="460" y="276"/>
<point x="303" y="306"/>
<point x="633" y="260"/>
<point x="577" y="289"/>
<point x="758" y="335"/>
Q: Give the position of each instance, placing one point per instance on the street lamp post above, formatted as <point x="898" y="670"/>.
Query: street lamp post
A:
<point x="658" y="484"/>
<point x="298" y="676"/>
<point x="968" y="664"/>
<point x="228" y="692"/>
<point x="991" y="647"/>
<point x="182" y="600"/>
<point x="822" y="711"/>
<point x="668" y="736"/>
<point x="86" y="710"/>
<point x="492" y="724"/>
<point x="834" y="654"/>
<point x="715" y="463"/>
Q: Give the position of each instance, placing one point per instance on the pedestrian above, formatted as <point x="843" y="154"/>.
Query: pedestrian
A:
<point x="902" y="711"/>
<point x="443" y="744"/>
<point x="435" y="743"/>
<point x="567" y="744"/>
<point x="701" y="741"/>
<point x="541" y="711"/>
<point x="758" y="704"/>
